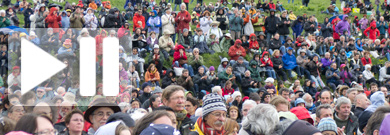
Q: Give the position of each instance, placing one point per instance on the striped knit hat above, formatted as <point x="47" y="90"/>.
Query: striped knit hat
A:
<point x="327" y="124"/>
<point x="212" y="102"/>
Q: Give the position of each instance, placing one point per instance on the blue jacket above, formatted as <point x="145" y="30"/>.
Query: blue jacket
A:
<point x="36" y="41"/>
<point x="154" y="23"/>
<point x="359" y="47"/>
<point x="382" y="28"/>
<point x="63" y="50"/>
<point x="297" y="27"/>
<point x="289" y="61"/>
<point x="65" y="22"/>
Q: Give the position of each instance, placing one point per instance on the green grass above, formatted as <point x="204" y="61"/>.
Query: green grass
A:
<point x="315" y="7"/>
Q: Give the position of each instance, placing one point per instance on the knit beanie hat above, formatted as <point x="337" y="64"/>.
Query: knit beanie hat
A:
<point x="212" y="68"/>
<point x="212" y="102"/>
<point x="327" y="124"/>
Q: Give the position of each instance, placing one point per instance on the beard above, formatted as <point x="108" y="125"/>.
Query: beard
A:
<point x="309" y="104"/>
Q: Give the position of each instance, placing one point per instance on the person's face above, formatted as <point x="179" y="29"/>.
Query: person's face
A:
<point x="267" y="98"/>
<point x="100" y="116"/>
<point x="229" y="71"/>
<point x="111" y="99"/>
<point x="185" y="33"/>
<point x="334" y="66"/>
<point x="135" y="105"/>
<point x="168" y="12"/>
<point x="290" y="52"/>
<point x="18" y="112"/>
<point x="247" y="74"/>
<point x="156" y="50"/>
<point x="344" y="110"/>
<point x="245" y="109"/>
<point x="176" y="101"/>
<point x="40" y="93"/>
<point x="233" y="114"/>
<point x="152" y="13"/>
<point x="325" y="98"/>
<point x="66" y="109"/>
<point x="374" y="88"/>
<point x="189" y="107"/>
<point x="185" y="74"/>
<point x="352" y="95"/>
<point x="44" y="126"/>
<point x="147" y="89"/>
<point x="363" y="102"/>
<point x="216" y="119"/>
<point x="282" y="108"/>
<point x="384" y="90"/>
<point x="157" y="102"/>
<point x="285" y="94"/>
<point x="276" y="36"/>
<point x="328" y="133"/>
<point x="182" y="7"/>
<point x="126" y="99"/>
<point x="76" y="123"/>
<point x="163" y="120"/>
<point x="325" y="113"/>
<point x="201" y="70"/>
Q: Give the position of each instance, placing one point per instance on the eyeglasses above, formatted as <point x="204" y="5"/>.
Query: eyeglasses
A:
<point x="47" y="132"/>
<point x="101" y="114"/>
<point x="15" y="102"/>
<point x="19" y="110"/>
<point x="219" y="114"/>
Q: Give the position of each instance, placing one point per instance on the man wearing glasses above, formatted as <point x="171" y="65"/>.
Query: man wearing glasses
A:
<point x="173" y="97"/>
<point x="213" y="115"/>
<point x="98" y="113"/>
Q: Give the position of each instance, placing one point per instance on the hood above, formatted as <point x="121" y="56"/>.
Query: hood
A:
<point x="155" y="13"/>
<point x="252" y="35"/>
<point x="177" y="48"/>
<point x="373" y="24"/>
<point x="345" y="17"/>
<point x="188" y="92"/>
<point x="331" y="48"/>
<point x="302" y="113"/>
<point x="109" y="128"/>
<point x="111" y="11"/>
<point x="367" y="66"/>
<point x="170" y="71"/>
<point x="224" y="60"/>
<point x="88" y="10"/>
<point x="121" y="48"/>
<point x="377" y="100"/>
<point x="52" y="9"/>
<point x="238" y="41"/>
<point x="356" y="66"/>
<point x="103" y="31"/>
<point x="265" y="53"/>
<point x="253" y="62"/>
<point x="223" y="11"/>
<point x="63" y="13"/>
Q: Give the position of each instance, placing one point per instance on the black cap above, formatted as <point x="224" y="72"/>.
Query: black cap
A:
<point x="123" y="117"/>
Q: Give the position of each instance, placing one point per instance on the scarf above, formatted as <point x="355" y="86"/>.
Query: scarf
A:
<point x="152" y="73"/>
<point x="206" y="129"/>
<point x="180" y="116"/>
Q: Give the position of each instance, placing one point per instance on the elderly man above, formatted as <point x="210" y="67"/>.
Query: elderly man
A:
<point x="345" y="120"/>
<point x="383" y="72"/>
<point x="173" y="96"/>
<point x="5" y="22"/>
<point x="65" y="108"/>
<point x="325" y="98"/>
<point x="309" y="104"/>
<point x="246" y="106"/>
<point x="213" y="116"/>
<point x="44" y="108"/>
<point x="262" y="120"/>
<point x="41" y="94"/>
<point x="98" y="113"/>
<point x="182" y="19"/>
<point x="351" y="95"/>
<point x="361" y="103"/>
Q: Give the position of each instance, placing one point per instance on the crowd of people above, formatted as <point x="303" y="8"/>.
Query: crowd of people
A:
<point x="323" y="78"/>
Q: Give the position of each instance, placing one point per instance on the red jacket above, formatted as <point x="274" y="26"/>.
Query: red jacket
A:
<point x="364" y="61"/>
<point x="268" y="62"/>
<point x="122" y="32"/>
<point x="253" y="44"/>
<point x="182" y="20"/>
<point x="374" y="32"/>
<point x="272" y="5"/>
<point x="99" y="42"/>
<point x="53" y="20"/>
<point x="137" y="17"/>
<point x="176" y="55"/>
<point x="227" y="91"/>
<point x="234" y="49"/>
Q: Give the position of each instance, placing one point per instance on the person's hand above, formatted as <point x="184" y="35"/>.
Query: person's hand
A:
<point x="340" y="131"/>
<point x="3" y="19"/>
<point x="173" y="79"/>
<point x="288" y="22"/>
<point x="197" y="57"/>
<point x="230" y="99"/>
<point x="63" y="74"/>
<point x="3" y="54"/>
<point x="262" y="65"/>
<point x="139" y="38"/>
<point x="280" y="66"/>
<point x="158" y="57"/>
<point x="334" y="74"/>
<point x="251" y="82"/>
<point x="81" y="15"/>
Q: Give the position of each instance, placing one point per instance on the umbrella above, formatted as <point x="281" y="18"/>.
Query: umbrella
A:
<point x="5" y="30"/>
<point x="12" y="27"/>
<point x="21" y="30"/>
<point x="55" y="5"/>
<point x="333" y="17"/>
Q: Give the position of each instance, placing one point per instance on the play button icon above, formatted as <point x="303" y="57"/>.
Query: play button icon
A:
<point x="36" y="65"/>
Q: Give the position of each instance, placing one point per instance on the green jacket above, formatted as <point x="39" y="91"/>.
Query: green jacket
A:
<point x="6" y="23"/>
<point x="195" y="63"/>
<point x="182" y="41"/>
<point x="236" y="23"/>
<point x="259" y="24"/>
<point x="150" y="58"/>
<point x="225" y="44"/>
<point x="76" y="22"/>
<point x="224" y="76"/>
<point x="255" y="72"/>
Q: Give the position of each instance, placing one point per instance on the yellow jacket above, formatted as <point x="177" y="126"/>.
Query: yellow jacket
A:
<point x="197" y="129"/>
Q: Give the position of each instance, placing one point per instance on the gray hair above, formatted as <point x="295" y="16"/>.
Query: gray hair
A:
<point x="341" y="101"/>
<point x="216" y="89"/>
<point x="323" y="106"/>
<point x="359" y="96"/>
<point x="262" y="119"/>
<point x="2" y="11"/>
<point x="249" y="102"/>
<point x="307" y="95"/>
<point x="183" y="4"/>
<point x="351" y="90"/>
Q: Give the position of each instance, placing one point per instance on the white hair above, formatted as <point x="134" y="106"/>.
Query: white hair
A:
<point x="216" y="89"/>
<point x="195" y="49"/>
<point x="249" y="102"/>
<point x="262" y="119"/>
<point x="341" y="101"/>
<point x="123" y="105"/>
<point x="307" y="95"/>
<point x="183" y="4"/>
<point x="2" y="11"/>
<point x="61" y="88"/>
<point x="198" y="112"/>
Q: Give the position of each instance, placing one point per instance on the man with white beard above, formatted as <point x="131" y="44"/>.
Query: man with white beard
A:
<point x="309" y="104"/>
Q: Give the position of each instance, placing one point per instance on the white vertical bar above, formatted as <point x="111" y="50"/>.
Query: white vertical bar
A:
<point x="110" y="66"/>
<point x="87" y="66"/>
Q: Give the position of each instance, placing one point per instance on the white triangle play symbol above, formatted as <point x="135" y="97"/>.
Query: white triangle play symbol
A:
<point x="37" y="65"/>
